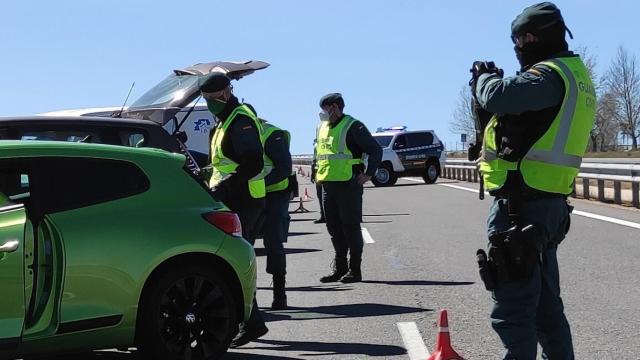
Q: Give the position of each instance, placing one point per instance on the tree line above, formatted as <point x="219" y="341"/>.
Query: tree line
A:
<point x="618" y="108"/>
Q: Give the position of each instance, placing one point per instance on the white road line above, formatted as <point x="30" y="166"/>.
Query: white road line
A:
<point x="412" y="339"/>
<point x="366" y="236"/>
<point x="608" y="219"/>
<point x="414" y="180"/>
<point x="576" y="212"/>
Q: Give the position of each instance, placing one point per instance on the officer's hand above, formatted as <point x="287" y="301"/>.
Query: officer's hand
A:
<point x="362" y="179"/>
<point x="220" y="192"/>
<point x="482" y="67"/>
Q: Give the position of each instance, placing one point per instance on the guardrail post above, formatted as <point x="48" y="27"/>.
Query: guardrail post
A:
<point x="617" y="192"/>
<point x="635" y="194"/>
<point x="585" y="188"/>
<point x="475" y="176"/>
<point x="600" y="190"/>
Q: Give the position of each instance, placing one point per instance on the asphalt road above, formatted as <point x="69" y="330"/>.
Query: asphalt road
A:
<point x="423" y="259"/>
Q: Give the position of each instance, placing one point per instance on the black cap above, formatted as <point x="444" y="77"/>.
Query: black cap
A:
<point x="331" y="99"/>
<point x="213" y="82"/>
<point x="536" y="18"/>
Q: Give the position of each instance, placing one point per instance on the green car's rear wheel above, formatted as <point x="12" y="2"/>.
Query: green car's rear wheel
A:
<point x="189" y="314"/>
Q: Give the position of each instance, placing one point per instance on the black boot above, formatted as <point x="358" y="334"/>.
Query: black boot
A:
<point x="279" y="295"/>
<point x="340" y="268"/>
<point x="251" y="330"/>
<point x="354" y="274"/>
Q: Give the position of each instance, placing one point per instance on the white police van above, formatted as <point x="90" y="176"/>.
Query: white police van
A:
<point x="408" y="153"/>
<point x="173" y="99"/>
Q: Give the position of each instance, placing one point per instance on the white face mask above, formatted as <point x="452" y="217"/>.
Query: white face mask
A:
<point x="324" y="115"/>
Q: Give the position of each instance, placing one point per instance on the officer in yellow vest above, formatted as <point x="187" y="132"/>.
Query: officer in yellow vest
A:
<point x="278" y="169"/>
<point x="237" y="177"/>
<point x="341" y="143"/>
<point x="532" y="150"/>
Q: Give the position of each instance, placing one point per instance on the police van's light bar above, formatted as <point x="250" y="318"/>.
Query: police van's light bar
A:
<point x="392" y="128"/>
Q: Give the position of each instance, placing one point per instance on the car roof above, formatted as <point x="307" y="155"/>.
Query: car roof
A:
<point x="31" y="148"/>
<point x="79" y="120"/>
<point x="391" y="133"/>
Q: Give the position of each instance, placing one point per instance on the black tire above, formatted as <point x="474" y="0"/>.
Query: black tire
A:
<point x="385" y="176"/>
<point x="189" y="313"/>
<point x="431" y="172"/>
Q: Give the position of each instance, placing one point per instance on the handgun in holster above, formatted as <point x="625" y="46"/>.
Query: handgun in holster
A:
<point x="513" y="255"/>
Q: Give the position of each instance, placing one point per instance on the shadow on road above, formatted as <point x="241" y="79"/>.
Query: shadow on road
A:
<point x="289" y="251"/>
<point x="243" y="356"/>
<point x="340" y="312"/>
<point x="301" y="233"/>
<point x="394" y="186"/>
<point x="98" y="355"/>
<point x="320" y="348"/>
<point x="297" y="220"/>
<point x="365" y="215"/>
<point x="335" y="288"/>
<point x="132" y="355"/>
<point x="419" y="282"/>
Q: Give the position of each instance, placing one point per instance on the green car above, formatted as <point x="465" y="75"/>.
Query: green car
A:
<point x="110" y="247"/>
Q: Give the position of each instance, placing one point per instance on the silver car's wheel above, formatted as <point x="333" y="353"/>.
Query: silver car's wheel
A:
<point x="384" y="176"/>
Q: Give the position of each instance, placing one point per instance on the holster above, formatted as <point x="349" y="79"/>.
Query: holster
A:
<point x="514" y="254"/>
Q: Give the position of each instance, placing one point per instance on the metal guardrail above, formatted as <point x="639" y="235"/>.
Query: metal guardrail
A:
<point x="609" y="179"/>
<point x="603" y="173"/>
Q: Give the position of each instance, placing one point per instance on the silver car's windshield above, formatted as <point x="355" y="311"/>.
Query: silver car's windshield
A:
<point x="173" y="88"/>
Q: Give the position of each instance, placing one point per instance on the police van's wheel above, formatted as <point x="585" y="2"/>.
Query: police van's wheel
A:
<point x="431" y="172"/>
<point x="384" y="176"/>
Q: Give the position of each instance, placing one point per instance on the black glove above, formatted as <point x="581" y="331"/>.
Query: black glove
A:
<point x="482" y="67"/>
<point x="221" y="191"/>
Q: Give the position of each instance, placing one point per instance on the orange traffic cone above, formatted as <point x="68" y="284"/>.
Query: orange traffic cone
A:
<point x="443" y="350"/>
<point x="301" y="208"/>
<point x="306" y="195"/>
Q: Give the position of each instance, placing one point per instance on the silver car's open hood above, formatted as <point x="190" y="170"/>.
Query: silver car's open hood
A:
<point x="162" y="102"/>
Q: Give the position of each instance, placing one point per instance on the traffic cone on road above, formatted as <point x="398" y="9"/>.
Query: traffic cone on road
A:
<point x="306" y="195"/>
<point x="443" y="350"/>
<point x="301" y="208"/>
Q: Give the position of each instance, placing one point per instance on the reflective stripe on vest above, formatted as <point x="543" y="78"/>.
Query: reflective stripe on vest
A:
<point x="553" y="162"/>
<point x="334" y="160"/>
<point x="269" y="129"/>
<point x="223" y="167"/>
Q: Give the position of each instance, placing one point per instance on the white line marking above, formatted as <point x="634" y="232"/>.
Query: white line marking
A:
<point x="366" y="236"/>
<point x="414" y="180"/>
<point x="412" y="340"/>
<point x="462" y="188"/>
<point x="577" y="212"/>
<point x="608" y="219"/>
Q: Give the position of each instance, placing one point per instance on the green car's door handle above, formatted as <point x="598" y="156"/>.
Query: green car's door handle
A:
<point x="9" y="246"/>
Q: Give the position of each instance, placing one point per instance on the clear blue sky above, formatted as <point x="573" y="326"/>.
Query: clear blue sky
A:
<point x="395" y="62"/>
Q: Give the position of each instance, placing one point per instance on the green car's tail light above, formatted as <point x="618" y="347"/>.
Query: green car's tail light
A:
<point x="226" y="221"/>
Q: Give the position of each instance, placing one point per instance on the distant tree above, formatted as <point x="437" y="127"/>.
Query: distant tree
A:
<point x="605" y="128"/>
<point x="623" y="83"/>
<point x="462" y="122"/>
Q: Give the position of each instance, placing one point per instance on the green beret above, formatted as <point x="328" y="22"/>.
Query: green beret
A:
<point x="213" y="82"/>
<point x="331" y="99"/>
<point x="536" y="18"/>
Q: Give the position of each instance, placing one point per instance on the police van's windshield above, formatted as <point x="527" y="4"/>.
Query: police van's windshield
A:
<point x="173" y="88"/>
<point x="384" y="141"/>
